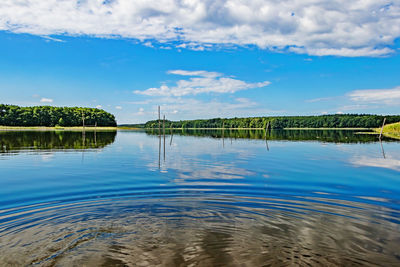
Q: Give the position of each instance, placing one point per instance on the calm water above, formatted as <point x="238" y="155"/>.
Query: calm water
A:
<point x="203" y="198"/>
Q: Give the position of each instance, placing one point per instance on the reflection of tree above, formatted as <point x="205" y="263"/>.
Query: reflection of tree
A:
<point x="334" y="136"/>
<point x="17" y="140"/>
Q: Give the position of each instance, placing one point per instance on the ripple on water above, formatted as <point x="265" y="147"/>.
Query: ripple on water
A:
<point x="201" y="229"/>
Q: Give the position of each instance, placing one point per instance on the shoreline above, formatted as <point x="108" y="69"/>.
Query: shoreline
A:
<point x="390" y="130"/>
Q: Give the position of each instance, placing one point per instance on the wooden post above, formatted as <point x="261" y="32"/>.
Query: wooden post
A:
<point x="223" y="136"/>
<point x="223" y="139"/>
<point x="266" y="129"/>
<point x="164" y="134"/>
<point x="159" y="122"/>
<point x="380" y="135"/>
<point x="83" y="139"/>
<point x="172" y="135"/>
<point x="266" y="141"/>
<point x="383" y="151"/>
<point x="163" y="126"/>
<point x="83" y="120"/>
<point x="230" y="134"/>
<point x="159" y="150"/>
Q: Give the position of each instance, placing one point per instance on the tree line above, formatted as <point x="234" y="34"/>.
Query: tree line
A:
<point x="280" y="122"/>
<point x="11" y="115"/>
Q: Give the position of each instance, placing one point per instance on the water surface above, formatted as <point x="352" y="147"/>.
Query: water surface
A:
<point x="203" y="198"/>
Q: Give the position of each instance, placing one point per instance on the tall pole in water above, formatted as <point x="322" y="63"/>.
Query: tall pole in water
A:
<point x="83" y="120"/>
<point x="164" y="134"/>
<point x="159" y="151"/>
<point x="223" y="131"/>
<point x="159" y="139"/>
<point x="159" y="122"/>
<point x="172" y="136"/>
<point x="266" y="142"/>
<point x="380" y="135"/>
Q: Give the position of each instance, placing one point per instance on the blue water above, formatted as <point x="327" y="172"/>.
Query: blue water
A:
<point x="123" y="199"/>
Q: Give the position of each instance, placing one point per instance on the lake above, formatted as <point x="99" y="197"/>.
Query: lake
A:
<point x="199" y="198"/>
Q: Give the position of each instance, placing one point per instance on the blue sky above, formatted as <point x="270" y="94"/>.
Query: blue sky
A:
<point x="224" y="61"/>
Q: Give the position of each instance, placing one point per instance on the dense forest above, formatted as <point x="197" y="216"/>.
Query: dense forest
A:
<point x="11" y="115"/>
<point x="323" y="121"/>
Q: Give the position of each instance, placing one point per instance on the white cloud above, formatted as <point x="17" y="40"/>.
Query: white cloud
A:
<point x="319" y="99"/>
<point x="201" y="82"/>
<point x="190" y="108"/>
<point x="377" y="96"/>
<point x="99" y="106"/>
<point x="315" y="27"/>
<point x="148" y="44"/>
<point x="49" y="38"/>
<point x="46" y="100"/>
<point x="118" y="107"/>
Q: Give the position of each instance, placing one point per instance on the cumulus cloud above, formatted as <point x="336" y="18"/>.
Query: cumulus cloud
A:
<point x="190" y="108"/>
<point x="118" y="107"/>
<point x="201" y="82"/>
<point x="319" y="99"/>
<point x="377" y="96"/>
<point x="46" y="100"/>
<point x="315" y="27"/>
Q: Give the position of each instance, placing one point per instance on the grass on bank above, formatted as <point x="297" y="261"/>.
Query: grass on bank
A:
<point x="56" y="128"/>
<point x="390" y="130"/>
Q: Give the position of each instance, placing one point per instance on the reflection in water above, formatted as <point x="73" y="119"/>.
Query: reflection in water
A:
<point x="205" y="232"/>
<point x="334" y="136"/>
<point x="206" y="203"/>
<point x="389" y="163"/>
<point x="392" y="161"/>
<point x="13" y="141"/>
<point x="383" y="151"/>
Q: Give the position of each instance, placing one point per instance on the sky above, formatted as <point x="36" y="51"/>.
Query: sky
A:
<point x="202" y="59"/>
